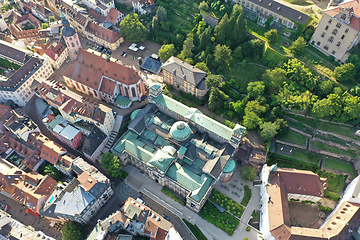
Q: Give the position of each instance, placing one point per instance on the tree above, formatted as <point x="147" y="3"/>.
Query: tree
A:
<point x="202" y="66"/>
<point x="132" y="29"/>
<point x="155" y="24"/>
<point x="51" y="19"/>
<point x="254" y="106"/>
<point x="282" y="126"/>
<point x="53" y="172"/>
<point x="161" y="13"/>
<point x="73" y="231"/>
<point x="253" y="48"/>
<point x="298" y="46"/>
<point x="166" y="51"/>
<point x="237" y="54"/>
<point x="187" y="47"/>
<point x="272" y="35"/>
<point x="213" y="80"/>
<point x="112" y="165"/>
<point x="274" y="79"/>
<point x="240" y="28"/>
<point x="205" y="38"/>
<point x="344" y="72"/>
<point x="255" y="89"/>
<point x="223" y="56"/>
<point x="204" y="6"/>
<point x="352" y="107"/>
<point x="268" y="131"/>
<point x="216" y="99"/>
<point x="326" y="87"/>
<point x="251" y="120"/>
<point x="248" y="173"/>
<point x="44" y="25"/>
<point x="222" y="29"/>
<point x="330" y="106"/>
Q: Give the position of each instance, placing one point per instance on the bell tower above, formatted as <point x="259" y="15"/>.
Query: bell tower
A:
<point x="71" y="38"/>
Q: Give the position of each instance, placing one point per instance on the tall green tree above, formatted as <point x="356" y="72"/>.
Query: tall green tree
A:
<point x="248" y="173"/>
<point x="132" y="29"/>
<point x="344" y="72"/>
<point x="240" y="28"/>
<point x="298" y="46"/>
<point x="216" y="99"/>
<point x="255" y="107"/>
<point x="166" y="51"/>
<point x="268" y="131"/>
<point x="205" y="38"/>
<point x="352" y="107"/>
<point x="202" y="66"/>
<point x="222" y="30"/>
<point x="73" y="231"/>
<point x="330" y="106"/>
<point x="223" y="56"/>
<point x="213" y="80"/>
<point x="187" y="47"/>
<point x="161" y="13"/>
<point x="251" y="120"/>
<point x="112" y="165"/>
<point x="255" y="89"/>
<point x="272" y="35"/>
<point x="274" y="79"/>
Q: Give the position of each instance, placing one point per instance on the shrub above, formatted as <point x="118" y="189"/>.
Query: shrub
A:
<point x="173" y="196"/>
<point x="323" y="208"/>
<point x="332" y="196"/>
<point x="248" y="228"/>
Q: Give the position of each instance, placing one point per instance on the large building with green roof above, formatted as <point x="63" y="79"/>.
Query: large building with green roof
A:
<point x="179" y="147"/>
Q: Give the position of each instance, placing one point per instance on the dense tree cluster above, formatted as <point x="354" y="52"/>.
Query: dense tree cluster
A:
<point x="112" y="165"/>
<point x="132" y="29"/>
<point x="73" y="231"/>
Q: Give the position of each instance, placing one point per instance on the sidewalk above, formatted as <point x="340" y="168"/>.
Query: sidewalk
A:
<point x="207" y="228"/>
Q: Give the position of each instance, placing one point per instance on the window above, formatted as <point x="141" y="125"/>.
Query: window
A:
<point x="346" y="30"/>
<point x="327" y="27"/>
<point x="338" y="44"/>
<point x="331" y="39"/>
<point x="72" y="44"/>
<point x="343" y="36"/>
<point x="333" y="52"/>
<point x="334" y="32"/>
<point x="323" y="35"/>
<point x="77" y="43"/>
<point x="338" y="25"/>
<point x="70" y="39"/>
<point x="326" y="47"/>
<point x="343" y="17"/>
<point x="330" y="20"/>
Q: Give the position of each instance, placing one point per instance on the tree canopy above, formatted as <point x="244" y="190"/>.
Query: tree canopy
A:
<point x="248" y="173"/>
<point x="213" y="80"/>
<point x="166" y="51"/>
<point x="298" y="46"/>
<point x="73" y="231"/>
<point x="112" y="165"/>
<point x="344" y="72"/>
<point x="132" y="29"/>
<point x="268" y="131"/>
<point x="272" y="35"/>
<point x="223" y="56"/>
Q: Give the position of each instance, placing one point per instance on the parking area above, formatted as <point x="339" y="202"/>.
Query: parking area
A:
<point x="286" y="150"/>
<point x="17" y="211"/>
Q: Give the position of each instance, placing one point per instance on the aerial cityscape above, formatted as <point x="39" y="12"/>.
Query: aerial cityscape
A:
<point x="179" y="119"/>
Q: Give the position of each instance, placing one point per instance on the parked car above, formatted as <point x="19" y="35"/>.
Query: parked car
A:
<point x="125" y="54"/>
<point x="122" y="203"/>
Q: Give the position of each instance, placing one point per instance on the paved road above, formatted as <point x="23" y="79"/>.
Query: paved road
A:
<point x="178" y="223"/>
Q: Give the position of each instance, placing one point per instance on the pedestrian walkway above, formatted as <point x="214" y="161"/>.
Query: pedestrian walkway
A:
<point x="153" y="190"/>
<point x="113" y="134"/>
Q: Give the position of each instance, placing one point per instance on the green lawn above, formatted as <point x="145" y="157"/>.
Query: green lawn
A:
<point x="243" y="76"/>
<point x="308" y="121"/>
<point x="227" y="203"/>
<point x="300" y="126"/>
<point x="328" y="148"/>
<point x="290" y="162"/>
<point x="294" y="137"/>
<point x="173" y="196"/>
<point x="247" y="196"/>
<point x="195" y="230"/>
<point x="339" y="129"/>
<point x="341" y="165"/>
<point x="336" y="182"/>
<point x="225" y="221"/>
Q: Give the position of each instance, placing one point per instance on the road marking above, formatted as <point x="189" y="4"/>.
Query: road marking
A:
<point x="162" y="202"/>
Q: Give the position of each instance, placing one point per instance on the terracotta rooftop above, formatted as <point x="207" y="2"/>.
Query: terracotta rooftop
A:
<point x="5" y="113"/>
<point x="103" y="33"/>
<point x="113" y="15"/>
<point x="97" y="16"/>
<point x="354" y="7"/>
<point x="55" y="52"/>
<point x="86" y="180"/>
<point x="51" y="152"/>
<point x="89" y="70"/>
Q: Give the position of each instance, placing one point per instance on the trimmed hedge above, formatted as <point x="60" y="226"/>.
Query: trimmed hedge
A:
<point x="332" y="196"/>
<point x="173" y="196"/>
<point x="247" y="196"/>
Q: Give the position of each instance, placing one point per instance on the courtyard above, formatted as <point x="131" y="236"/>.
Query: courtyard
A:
<point x="306" y="215"/>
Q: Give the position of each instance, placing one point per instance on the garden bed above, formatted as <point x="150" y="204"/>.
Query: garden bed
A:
<point x="227" y="203"/>
<point x="247" y="196"/>
<point x="173" y="196"/>
<point x="195" y="230"/>
<point x="225" y="221"/>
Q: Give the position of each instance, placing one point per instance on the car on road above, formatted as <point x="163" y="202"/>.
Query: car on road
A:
<point x="122" y="203"/>
<point x="166" y="217"/>
<point x="125" y="54"/>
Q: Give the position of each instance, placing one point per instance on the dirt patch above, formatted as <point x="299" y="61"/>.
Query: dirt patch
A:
<point x="303" y="214"/>
<point x="327" y="203"/>
<point x="254" y="138"/>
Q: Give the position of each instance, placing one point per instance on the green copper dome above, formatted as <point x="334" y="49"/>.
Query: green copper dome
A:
<point x="180" y="131"/>
<point x="230" y="166"/>
<point x="134" y="113"/>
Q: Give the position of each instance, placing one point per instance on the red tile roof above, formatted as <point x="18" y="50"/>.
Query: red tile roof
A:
<point x="97" y="16"/>
<point x="51" y="151"/>
<point x="355" y="8"/>
<point x="103" y="33"/>
<point x="113" y="15"/>
<point x="55" y="52"/>
<point x="89" y="69"/>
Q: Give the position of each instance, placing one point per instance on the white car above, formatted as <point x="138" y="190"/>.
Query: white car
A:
<point x="141" y="48"/>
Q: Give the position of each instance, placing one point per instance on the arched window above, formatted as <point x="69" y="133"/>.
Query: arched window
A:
<point x="133" y="91"/>
<point x="126" y="92"/>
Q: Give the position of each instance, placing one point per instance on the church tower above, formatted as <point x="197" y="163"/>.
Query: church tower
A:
<point x="71" y="38"/>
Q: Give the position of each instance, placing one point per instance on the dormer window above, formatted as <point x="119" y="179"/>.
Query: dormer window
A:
<point x="334" y="32"/>
<point x="346" y="30"/>
<point x="343" y="17"/>
<point x="338" y="25"/>
<point x="330" y="21"/>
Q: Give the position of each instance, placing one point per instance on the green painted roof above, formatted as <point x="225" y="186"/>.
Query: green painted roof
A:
<point x="161" y="160"/>
<point x="182" y="150"/>
<point x="180" y="131"/>
<point x="122" y="101"/>
<point x="239" y="129"/>
<point x="173" y="105"/>
<point x="58" y="119"/>
<point x="212" y="125"/>
<point x="198" y="185"/>
<point x="230" y="166"/>
<point x="134" y="113"/>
